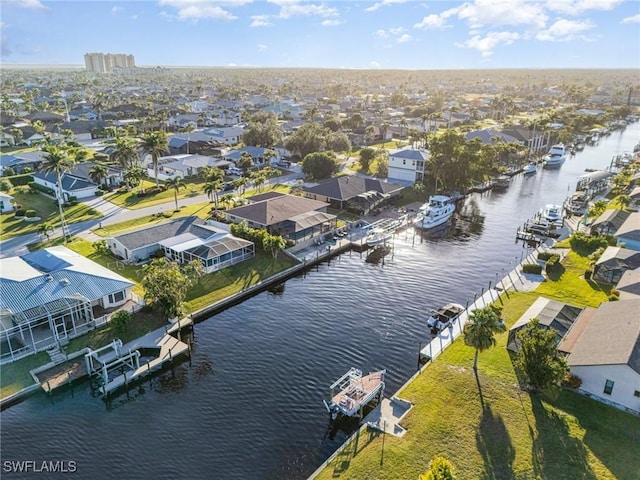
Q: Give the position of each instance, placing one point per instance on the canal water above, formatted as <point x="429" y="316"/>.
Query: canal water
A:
<point x="250" y="403"/>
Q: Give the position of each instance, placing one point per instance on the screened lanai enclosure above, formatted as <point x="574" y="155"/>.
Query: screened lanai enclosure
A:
<point x="43" y="326"/>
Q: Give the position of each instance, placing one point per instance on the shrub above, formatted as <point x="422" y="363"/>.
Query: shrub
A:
<point x="587" y="274"/>
<point x="30" y="213"/>
<point x="587" y="244"/>
<point x="532" y="268"/>
<point x="99" y="193"/>
<point x="41" y="188"/>
<point x="613" y="298"/>
<point x="572" y="381"/>
<point x="159" y="253"/>
<point x="545" y="256"/>
<point x="18" y="180"/>
<point x="91" y="211"/>
<point x="120" y="320"/>
<point x="5" y="185"/>
<point x="552" y="263"/>
<point x="8" y="172"/>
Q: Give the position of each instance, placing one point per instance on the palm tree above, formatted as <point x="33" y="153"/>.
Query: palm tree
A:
<point x="403" y="124"/>
<point x="57" y="160"/>
<point x="125" y="152"/>
<point x="156" y="145"/>
<point x="176" y="183"/>
<point x="369" y="133"/>
<point x="44" y="229"/>
<point x="479" y="333"/>
<point x="211" y="188"/>
<point x="133" y="175"/>
<point x="98" y="172"/>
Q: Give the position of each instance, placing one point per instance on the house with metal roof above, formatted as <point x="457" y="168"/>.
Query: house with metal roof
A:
<point x="226" y="135"/>
<point x="613" y="262"/>
<point x="49" y="296"/>
<point x="360" y="194"/>
<point x="603" y="350"/>
<point x="183" y="240"/>
<point x="294" y="218"/>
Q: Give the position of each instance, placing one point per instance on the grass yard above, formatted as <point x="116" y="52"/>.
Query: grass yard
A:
<point x="505" y="434"/>
<point x="15" y="376"/>
<point x="132" y="201"/>
<point x="47" y="210"/>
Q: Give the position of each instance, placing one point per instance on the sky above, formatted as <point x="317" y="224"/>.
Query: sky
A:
<point x="382" y="34"/>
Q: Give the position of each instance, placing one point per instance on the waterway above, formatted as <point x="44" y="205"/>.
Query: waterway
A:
<point x="250" y="403"/>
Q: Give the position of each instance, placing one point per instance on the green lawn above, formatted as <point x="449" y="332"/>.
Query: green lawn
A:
<point x="47" y="210"/>
<point x="513" y="435"/>
<point x="15" y="376"/>
<point x="132" y="201"/>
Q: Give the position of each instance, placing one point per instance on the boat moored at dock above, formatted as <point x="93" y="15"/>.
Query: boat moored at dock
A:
<point x="435" y="212"/>
<point x="530" y="168"/>
<point x="442" y="318"/>
<point x="556" y="156"/>
<point x="353" y="391"/>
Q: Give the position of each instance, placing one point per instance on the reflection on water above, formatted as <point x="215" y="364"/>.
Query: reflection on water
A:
<point x="250" y="403"/>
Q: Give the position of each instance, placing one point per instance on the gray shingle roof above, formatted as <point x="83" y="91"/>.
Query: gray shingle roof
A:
<point x="349" y="186"/>
<point x="156" y="233"/>
<point x="411" y="154"/>
<point x="70" y="183"/>
<point x="275" y="210"/>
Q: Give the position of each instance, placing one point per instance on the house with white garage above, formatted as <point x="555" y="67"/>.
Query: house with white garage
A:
<point x="603" y="350"/>
<point x="408" y="165"/>
<point x="72" y="186"/>
<point x="50" y="296"/>
<point x="183" y="240"/>
<point x="226" y="135"/>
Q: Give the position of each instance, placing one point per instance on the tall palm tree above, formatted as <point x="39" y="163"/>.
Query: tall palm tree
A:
<point x="98" y="172"/>
<point x="156" y="145"/>
<point x="45" y="229"/>
<point x="125" y="152"/>
<point x="479" y="333"/>
<point x="176" y="183"/>
<point x="133" y="175"/>
<point x="403" y="125"/>
<point x="57" y="160"/>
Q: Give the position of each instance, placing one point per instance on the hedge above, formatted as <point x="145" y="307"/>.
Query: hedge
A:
<point x="590" y="243"/>
<point x="545" y="256"/>
<point x="41" y="188"/>
<point x="552" y="263"/>
<point x="17" y="180"/>
<point x="532" y="268"/>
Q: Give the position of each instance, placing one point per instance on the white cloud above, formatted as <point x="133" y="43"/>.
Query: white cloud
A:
<point x="115" y="10"/>
<point x="134" y="17"/>
<point x="262" y="47"/>
<point x="297" y="8"/>
<point x="375" y="64"/>
<point x="381" y="34"/>
<point x="575" y="7"/>
<point x="32" y="4"/>
<point x="634" y="19"/>
<point x="260" y="21"/>
<point x="383" y="3"/>
<point x="403" y="38"/>
<point x="485" y="45"/>
<point x="563" y="30"/>
<point x="397" y="33"/>
<point x="502" y="12"/>
<point x="331" y="23"/>
<point x="204" y="9"/>
<point x="431" y="21"/>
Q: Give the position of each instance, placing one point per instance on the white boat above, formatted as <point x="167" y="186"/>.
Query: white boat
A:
<point x="552" y="213"/>
<point x="501" y="183"/>
<point x="435" y="212"/>
<point x="556" y="156"/>
<point x="442" y="318"/>
<point x="353" y="390"/>
<point x="532" y="167"/>
<point x="378" y="236"/>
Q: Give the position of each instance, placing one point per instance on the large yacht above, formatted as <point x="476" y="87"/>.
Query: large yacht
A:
<point x="556" y="156"/>
<point x="435" y="212"/>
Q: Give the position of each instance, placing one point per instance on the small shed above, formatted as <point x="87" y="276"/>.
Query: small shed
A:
<point x="550" y="314"/>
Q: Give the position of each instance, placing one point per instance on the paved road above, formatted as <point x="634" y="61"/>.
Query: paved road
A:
<point x="113" y="214"/>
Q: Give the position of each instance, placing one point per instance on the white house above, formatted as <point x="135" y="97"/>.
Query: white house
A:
<point x="227" y="135"/>
<point x="49" y="296"/>
<point x="6" y="203"/>
<point x="183" y="165"/>
<point x="603" y="348"/>
<point x="72" y="186"/>
<point x="408" y="165"/>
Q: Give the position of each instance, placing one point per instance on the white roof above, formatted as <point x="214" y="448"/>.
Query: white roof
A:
<point x="16" y="269"/>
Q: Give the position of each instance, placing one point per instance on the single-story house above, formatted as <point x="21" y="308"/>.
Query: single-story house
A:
<point x="609" y="222"/>
<point x="629" y="232"/>
<point x="613" y="262"/>
<point x="192" y="143"/>
<point x="353" y="192"/>
<point x="634" y="196"/>
<point x="408" y="165"/>
<point x="6" y="203"/>
<point x="492" y="136"/>
<point x="292" y="217"/>
<point x="183" y="240"/>
<point x="72" y="186"/>
<point x="603" y="350"/>
<point x="226" y="135"/>
<point x="550" y="314"/>
<point x="114" y="176"/>
<point x="184" y="166"/>
<point x="19" y="161"/>
<point x="257" y="155"/>
<point x="49" y="296"/>
<point x="629" y="284"/>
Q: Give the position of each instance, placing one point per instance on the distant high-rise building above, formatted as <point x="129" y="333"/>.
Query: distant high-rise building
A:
<point x="107" y="62"/>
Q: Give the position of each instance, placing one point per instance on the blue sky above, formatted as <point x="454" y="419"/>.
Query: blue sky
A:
<point x="400" y="34"/>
